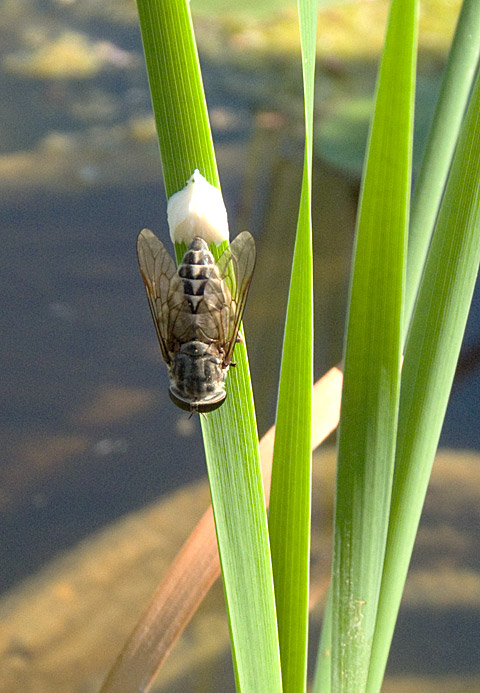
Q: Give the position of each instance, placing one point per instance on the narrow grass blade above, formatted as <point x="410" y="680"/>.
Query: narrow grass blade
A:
<point x="230" y="436"/>
<point x="431" y="356"/>
<point x="366" y="444"/>
<point x="176" y="90"/>
<point x="240" y="521"/>
<point x="196" y="566"/>
<point x="440" y="146"/>
<point x="290" y="497"/>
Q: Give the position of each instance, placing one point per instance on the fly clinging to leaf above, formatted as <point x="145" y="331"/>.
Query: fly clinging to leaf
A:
<point x="197" y="309"/>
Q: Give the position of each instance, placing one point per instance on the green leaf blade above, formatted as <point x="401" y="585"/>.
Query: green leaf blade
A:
<point x="431" y="355"/>
<point x="176" y="89"/>
<point x="229" y="433"/>
<point x="368" y="422"/>
<point x="440" y="146"/>
<point x="290" y="496"/>
<point x="241" y="525"/>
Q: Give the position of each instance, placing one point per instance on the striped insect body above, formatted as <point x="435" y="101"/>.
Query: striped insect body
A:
<point x="197" y="310"/>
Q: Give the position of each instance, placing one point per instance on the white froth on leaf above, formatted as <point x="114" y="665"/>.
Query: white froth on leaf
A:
<point x="197" y="210"/>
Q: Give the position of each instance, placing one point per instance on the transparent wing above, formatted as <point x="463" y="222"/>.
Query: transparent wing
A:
<point x="227" y="289"/>
<point x="163" y="287"/>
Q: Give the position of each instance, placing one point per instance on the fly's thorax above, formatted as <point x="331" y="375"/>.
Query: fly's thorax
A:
<point x="200" y="350"/>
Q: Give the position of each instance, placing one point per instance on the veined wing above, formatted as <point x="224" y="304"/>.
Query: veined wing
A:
<point x="163" y="287"/>
<point x="234" y="269"/>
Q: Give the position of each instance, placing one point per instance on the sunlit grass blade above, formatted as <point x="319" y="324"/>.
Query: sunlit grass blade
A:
<point x="177" y="93"/>
<point x="240" y="521"/>
<point x="197" y="566"/>
<point x="431" y="355"/>
<point x="440" y="145"/>
<point x="229" y="433"/>
<point x="366" y="444"/>
<point x="290" y="496"/>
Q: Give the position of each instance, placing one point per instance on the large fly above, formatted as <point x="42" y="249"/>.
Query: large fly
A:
<point x="197" y="310"/>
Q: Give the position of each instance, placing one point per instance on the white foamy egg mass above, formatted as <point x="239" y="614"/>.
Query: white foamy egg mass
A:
<point x="197" y="210"/>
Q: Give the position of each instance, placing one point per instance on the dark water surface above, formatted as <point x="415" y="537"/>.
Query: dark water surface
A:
<point x="76" y="327"/>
